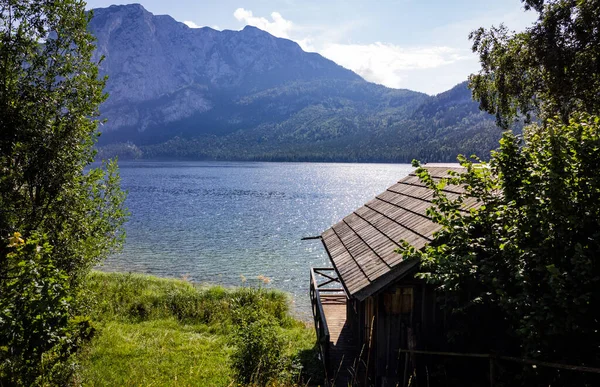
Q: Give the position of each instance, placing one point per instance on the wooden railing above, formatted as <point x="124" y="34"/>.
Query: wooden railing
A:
<point x="327" y="277"/>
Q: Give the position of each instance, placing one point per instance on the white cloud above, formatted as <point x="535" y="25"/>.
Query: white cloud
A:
<point x="279" y="26"/>
<point x="191" y="24"/>
<point x="388" y="64"/>
<point x="430" y="69"/>
<point x="306" y="44"/>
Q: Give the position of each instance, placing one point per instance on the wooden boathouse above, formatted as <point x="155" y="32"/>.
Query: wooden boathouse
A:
<point x="368" y="305"/>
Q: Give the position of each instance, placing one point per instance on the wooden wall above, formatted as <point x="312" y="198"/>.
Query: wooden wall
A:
<point x="404" y="315"/>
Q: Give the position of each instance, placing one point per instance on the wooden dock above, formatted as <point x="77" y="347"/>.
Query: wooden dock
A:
<point x="342" y="352"/>
<point x="334" y="333"/>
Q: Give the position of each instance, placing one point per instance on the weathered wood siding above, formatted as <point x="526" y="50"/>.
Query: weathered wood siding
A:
<point x="404" y="315"/>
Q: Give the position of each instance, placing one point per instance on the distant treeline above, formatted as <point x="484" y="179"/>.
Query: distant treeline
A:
<point x="423" y="143"/>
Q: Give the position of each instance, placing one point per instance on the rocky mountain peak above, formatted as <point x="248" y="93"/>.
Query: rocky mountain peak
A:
<point x="157" y="61"/>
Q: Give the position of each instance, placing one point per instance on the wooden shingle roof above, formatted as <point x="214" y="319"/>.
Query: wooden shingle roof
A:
<point x="361" y="246"/>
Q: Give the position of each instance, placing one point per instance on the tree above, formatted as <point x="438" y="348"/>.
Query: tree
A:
<point x="550" y="69"/>
<point x="58" y="217"/>
<point x="520" y="275"/>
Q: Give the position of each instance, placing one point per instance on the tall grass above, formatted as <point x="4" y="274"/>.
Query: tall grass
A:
<point x="138" y="297"/>
<point x="171" y="332"/>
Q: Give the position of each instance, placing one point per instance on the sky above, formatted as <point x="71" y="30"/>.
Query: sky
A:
<point x="420" y="45"/>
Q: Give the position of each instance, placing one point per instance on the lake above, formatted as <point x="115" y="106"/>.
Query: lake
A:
<point x="214" y="222"/>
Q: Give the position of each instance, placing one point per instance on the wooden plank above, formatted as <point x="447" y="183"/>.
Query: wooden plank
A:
<point x="416" y="206"/>
<point x="368" y="261"/>
<point x="343" y="349"/>
<point x="402" y="217"/>
<point x="443" y="171"/>
<point x="390" y="228"/>
<point x="419" y="191"/>
<point x="409" y="220"/>
<point x="380" y="242"/>
<point x="350" y="272"/>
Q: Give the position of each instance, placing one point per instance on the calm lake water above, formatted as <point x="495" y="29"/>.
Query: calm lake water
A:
<point x="217" y="221"/>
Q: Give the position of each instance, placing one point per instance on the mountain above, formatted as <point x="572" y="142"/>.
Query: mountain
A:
<point x="178" y="92"/>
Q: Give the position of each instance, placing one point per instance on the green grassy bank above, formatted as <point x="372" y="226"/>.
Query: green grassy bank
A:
<point x="165" y="332"/>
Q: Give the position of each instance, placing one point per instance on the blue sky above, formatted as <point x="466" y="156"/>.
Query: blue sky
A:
<point x="417" y="45"/>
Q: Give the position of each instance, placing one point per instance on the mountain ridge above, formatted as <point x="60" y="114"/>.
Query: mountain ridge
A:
<point x="178" y="92"/>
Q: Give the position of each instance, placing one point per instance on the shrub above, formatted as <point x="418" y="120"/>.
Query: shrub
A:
<point x="136" y="297"/>
<point x="37" y="321"/>
<point x="520" y="275"/>
<point x="258" y="354"/>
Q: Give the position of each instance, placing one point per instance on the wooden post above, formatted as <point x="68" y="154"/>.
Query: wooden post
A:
<point x="405" y="375"/>
<point x="369" y="349"/>
<point x="492" y="369"/>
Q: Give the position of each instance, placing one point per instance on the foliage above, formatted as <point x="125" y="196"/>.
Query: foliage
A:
<point x="40" y="329"/>
<point x="173" y="332"/>
<point x="520" y="273"/>
<point x="258" y="354"/>
<point x="550" y="69"/>
<point x="49" y="95"/>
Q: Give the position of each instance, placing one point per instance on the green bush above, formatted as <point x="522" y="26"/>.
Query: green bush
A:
<point x="169" y="327"/>
<point x="258" y="355"/>
<point x="39" y="327"/>
<point x="267" y="344"/>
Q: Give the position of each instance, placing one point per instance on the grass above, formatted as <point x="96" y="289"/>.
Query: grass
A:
<point x="160" y="353"/>
<point x="167" y="332"/>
